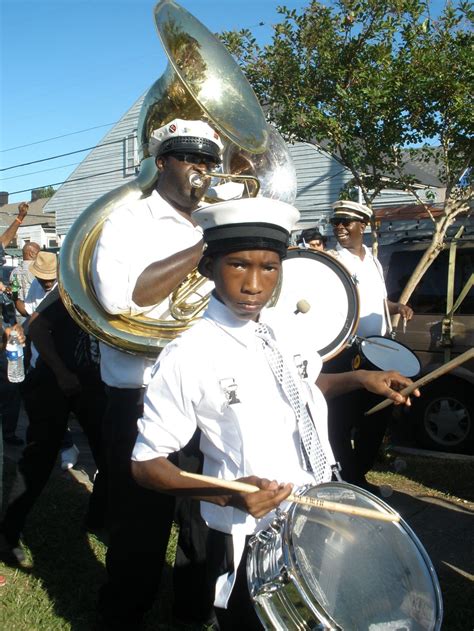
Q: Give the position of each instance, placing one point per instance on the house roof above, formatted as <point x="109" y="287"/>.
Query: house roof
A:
<point x="426" y="173"/>
<point x="405" y="212"/>
<point x="35" y="215"/>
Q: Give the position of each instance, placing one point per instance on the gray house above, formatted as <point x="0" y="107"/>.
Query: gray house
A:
<point x="114" y="161"/>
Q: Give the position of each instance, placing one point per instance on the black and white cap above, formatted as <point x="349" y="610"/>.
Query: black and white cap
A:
<point x="194" y="136"/>
<point x="257" y="223"/>
<point x="345" y="209"/>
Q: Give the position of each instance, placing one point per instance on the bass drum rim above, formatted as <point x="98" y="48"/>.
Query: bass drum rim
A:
<point x="342" y="340"/>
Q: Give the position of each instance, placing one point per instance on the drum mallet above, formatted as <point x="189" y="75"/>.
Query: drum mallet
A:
<point x="438" y="372"/>
<point x="336" y="507"/>
<point x="302" y="306"/>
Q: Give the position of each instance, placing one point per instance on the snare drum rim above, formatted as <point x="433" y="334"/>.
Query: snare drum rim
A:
<point x="345" y="336"/>
<point x="290" y="550"/>
<point x="270" y="598"/>
<point x="382" y="337"/>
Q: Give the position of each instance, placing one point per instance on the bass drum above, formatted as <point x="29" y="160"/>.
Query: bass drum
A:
<point x="317" y="569"/>
<point x="316" y="300"/>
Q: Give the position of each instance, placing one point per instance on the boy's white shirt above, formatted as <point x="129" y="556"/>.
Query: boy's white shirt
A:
<point x="207" y="378"/>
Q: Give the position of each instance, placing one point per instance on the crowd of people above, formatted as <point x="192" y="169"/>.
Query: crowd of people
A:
<point x="217" y="393"/>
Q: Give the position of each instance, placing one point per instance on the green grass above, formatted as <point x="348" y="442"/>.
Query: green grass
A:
<point x="448" y="535"/>
<point x="58" y="591"/>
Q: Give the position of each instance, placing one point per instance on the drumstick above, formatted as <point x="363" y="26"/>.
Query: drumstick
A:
<point x="369" y="341"/>
<point x="438" y="372"/>
<point x="347" y="509"/>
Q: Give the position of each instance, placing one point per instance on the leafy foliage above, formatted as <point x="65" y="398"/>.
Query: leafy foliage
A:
<point x="366" y="79"/>
<point x="42" y="193"/>
<point x="376" y="82"/>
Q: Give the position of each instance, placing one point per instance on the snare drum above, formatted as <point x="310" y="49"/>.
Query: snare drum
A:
<point x="326" y="287"/>
<point x="382" y="353"/>
<point x="316" y="569"/>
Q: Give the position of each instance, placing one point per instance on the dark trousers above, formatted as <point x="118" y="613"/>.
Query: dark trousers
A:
<point x="48" y="411"/>
<point x="193" y="595"/>
<point x="240" y="613"/>
<point x="9" y="406"/>
<point x="139" y="520"/>
<point x="139" y="528"/>
<point x="347" y="423"/>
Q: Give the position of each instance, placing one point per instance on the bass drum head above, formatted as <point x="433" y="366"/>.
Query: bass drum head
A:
<point x="363" y="573"/>
<point x="317" y="280"/>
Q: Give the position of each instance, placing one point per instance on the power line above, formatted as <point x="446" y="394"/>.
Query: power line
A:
<point x="61" y="155"/>
<point x="77" y="179"/>
<point x="62" y="166"/>
<point x="72" y="133"/>
<point x="90" y="160"/>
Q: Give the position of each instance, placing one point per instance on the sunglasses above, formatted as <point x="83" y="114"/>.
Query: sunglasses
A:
<point x="195" y="158"/>
<point x="342" y="221"/>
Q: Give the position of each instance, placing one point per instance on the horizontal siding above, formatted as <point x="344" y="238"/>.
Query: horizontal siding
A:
<point x="75" y="196"/>
<point x="391" y="197"/>
<point x="320" y="178"/>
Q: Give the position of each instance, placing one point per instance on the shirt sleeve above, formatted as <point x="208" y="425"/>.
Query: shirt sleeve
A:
<point x="169" y="420"/>
<point x="31" y="299"/>
<point x="111" y="269"/>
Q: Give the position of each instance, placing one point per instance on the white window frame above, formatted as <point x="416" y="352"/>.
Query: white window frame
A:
<point x="130" y="154"/>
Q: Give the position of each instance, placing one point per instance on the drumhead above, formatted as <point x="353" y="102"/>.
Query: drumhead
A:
<point x="319" y="281"/>
<point x="363" y="573"/>
<point x="391" y="356"/>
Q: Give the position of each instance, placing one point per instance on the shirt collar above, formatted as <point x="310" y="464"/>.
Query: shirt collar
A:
<point x="161" y="208"/>
<point x="347" y="252"/>
<point x="242" y="330"/>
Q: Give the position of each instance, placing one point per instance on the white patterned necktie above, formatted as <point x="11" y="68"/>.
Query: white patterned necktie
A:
<point x="314" y="458"/>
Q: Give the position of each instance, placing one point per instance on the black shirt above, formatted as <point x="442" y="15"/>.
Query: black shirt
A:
<point x="77" y="349"/>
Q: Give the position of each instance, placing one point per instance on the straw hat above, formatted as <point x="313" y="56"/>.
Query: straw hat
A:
<point x="45" y="266"/>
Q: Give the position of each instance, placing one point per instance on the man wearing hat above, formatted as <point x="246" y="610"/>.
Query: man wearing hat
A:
<point x="45" y="271"/>
<point x="251" y="390"/>
<point x="349" y="220"/>
<point x="145" y="250"/>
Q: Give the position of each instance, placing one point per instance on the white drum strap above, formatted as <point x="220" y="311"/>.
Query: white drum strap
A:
<point x="314" y="458"/>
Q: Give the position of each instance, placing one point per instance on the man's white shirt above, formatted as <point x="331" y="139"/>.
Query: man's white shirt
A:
<point x="134" y="237"/>
<point x="368" y="276"/>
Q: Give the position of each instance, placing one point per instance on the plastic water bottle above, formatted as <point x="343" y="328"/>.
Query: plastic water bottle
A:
<point x="16" y="368"/>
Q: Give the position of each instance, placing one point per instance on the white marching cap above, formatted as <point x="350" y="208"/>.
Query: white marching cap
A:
<point x="253" y="210"/>
<point x="250" y="223"/>
<point x="344" y="208"/>
<point x="186" y="135"/>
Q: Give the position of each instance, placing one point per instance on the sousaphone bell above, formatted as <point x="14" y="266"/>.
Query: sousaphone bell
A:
<point x="202" y="81"/>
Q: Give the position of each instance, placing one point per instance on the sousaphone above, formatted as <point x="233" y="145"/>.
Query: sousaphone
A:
<point x="202" y="81"/>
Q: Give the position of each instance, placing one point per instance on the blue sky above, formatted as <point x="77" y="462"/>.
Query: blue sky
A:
<point x="69" y="65"/>
<point x="72" y="65"/>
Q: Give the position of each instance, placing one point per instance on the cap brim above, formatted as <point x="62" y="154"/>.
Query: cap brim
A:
<point x="348" y="214"/>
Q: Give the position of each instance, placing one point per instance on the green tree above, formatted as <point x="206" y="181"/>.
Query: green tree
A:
<point x="374" y="82"/>
<point x="45" y="191"/>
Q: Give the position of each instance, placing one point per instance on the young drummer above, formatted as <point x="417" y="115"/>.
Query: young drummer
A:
<point x="224" y="376"/>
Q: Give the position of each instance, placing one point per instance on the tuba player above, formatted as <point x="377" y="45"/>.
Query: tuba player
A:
<point x="145" y="250"/>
